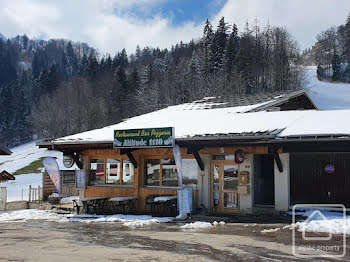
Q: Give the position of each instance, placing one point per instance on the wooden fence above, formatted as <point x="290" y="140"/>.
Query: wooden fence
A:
<point x="35" y="195"/>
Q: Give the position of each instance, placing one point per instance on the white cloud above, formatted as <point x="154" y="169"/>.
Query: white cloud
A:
<point x="304" y="19"/>
<point x="110" y="25"/>
<point x="94" y="22"/>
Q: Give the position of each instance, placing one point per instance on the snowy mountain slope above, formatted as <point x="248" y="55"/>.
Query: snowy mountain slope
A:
<point x="25" y="154"/>
<point x="326" y="95"/>
<point x="21" y="157"/>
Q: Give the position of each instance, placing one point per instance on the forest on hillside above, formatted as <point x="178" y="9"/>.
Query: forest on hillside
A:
<point x="331" y="53"/>
<point x="59" y="87"/>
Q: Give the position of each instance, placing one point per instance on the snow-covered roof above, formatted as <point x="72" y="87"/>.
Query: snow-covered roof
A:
<point x="225" y="122"/>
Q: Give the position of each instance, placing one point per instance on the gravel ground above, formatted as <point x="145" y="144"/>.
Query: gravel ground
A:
<point x="238" y="241"/>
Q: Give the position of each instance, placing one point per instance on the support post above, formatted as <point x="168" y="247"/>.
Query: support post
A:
<point x="30" y="192"/>
<point x="3" y="198"/>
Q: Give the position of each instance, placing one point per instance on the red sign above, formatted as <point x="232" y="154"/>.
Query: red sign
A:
<point x="239" y="156"/>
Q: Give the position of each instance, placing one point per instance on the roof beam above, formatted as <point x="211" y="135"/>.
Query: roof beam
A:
<point x="131" y="157"/>
<point x="196" y="155"/>
<point x="274" y="151"/>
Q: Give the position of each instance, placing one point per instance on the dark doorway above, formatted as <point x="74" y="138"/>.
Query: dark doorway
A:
<point x="264" y="182"/>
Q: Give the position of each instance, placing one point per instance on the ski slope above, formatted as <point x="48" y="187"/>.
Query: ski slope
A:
<point x="21" y="157"/>
<point x="25" y="154"/>
<point x="326" y="95"/>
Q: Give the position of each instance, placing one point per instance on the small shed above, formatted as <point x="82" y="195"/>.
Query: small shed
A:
<point x="4" y="176"/>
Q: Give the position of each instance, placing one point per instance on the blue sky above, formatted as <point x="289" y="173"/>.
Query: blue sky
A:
<point x="180" y="11"/>
<point x="110" y="25"/>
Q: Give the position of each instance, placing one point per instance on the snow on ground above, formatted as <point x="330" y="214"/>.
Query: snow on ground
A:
<point x="19" y="189"/>
<point x="270" y="230"/>
<point x="202" y="225"/>
<point x="323" y="221"/>
<point x="326" y="95"/>
<point x="30" y="214"/>
<point x="126" y="220"/>
<point x="68" y="200"/>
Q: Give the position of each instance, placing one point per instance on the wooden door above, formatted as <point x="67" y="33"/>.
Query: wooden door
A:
<point x="224" y="183"/>
<point x="311" y="184"/>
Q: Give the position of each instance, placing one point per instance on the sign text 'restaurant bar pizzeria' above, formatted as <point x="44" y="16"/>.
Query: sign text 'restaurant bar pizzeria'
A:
<point x="147" y="137"/>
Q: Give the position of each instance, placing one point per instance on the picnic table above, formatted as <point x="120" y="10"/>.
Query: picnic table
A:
<point x="168" y="204"/>
<point x="123" y="203"/>
<point x="95" y="205"/>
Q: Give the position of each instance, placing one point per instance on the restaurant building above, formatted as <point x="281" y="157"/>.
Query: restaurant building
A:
<point x="252" y="154"/>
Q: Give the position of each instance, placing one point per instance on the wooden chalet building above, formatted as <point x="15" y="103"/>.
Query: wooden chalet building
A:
<point x="5" y="176"/>
<point x="244" y="155"/>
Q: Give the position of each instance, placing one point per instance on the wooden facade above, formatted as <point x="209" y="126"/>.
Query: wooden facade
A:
<point x="138" y="189"/>
<point x="67" y="186"/>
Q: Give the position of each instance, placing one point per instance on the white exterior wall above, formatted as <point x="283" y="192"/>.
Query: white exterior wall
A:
<point x="282" y="184"/>
<point x="246" y="201"/>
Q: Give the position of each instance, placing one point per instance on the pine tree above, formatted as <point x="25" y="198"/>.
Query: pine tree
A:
<point x="207" y="39"/>
<point x="218" y="46"/>
<point x="336" y="67"/>
<point x="72" y="60"/>
<point x="231" y="50"/>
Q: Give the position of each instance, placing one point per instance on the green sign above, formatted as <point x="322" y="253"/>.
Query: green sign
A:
<point x="148" y="137"/>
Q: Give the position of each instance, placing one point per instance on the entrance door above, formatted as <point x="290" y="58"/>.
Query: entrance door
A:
<point x="224" y="181"/>
<point x="264" y="181"/>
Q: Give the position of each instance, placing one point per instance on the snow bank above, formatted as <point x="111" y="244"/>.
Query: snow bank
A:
<point x="31" y="214"/>
<point x="334" y="226"/>
<point x="270" y="230"/>
<point x="197" y="225"/>
<point x="329" y="222"/>
<point x="202" y="225"/>
<point x="34" y="214"/>
<point x="126" y="220"/>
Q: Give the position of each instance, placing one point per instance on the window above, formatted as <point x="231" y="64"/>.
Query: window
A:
<point x="190" y="172"/>
<point x="169" y="174"/>
<point x="111" y="172"/>
<point x="97" y="171"/>
<point x="128" y="173"/>
<point x="152" y="170"/>
<point x="68" y="177"/>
